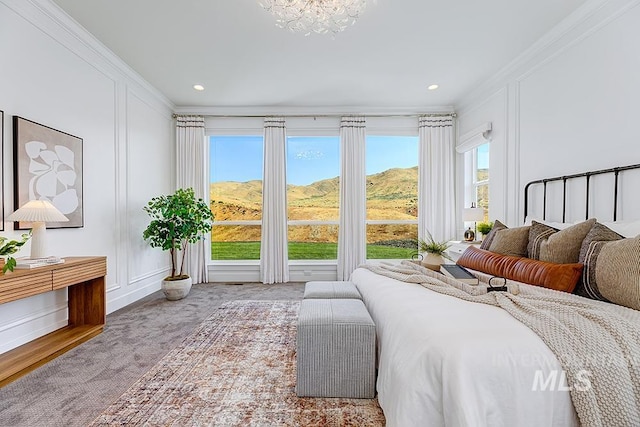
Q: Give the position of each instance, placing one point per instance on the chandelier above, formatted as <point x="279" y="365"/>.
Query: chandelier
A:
<point x="318" y="16"/>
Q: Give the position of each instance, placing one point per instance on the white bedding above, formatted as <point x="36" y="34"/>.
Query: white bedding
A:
<point x="448" y="362"/>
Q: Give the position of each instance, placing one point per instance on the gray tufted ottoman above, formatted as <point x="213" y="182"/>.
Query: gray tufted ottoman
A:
<point x="331" y="290"/>
<point x="336" y="349"/>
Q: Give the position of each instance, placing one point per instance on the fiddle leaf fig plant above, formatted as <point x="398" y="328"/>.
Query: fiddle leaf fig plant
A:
<point x="10" y="247"/>
<point x="177" y="220"/>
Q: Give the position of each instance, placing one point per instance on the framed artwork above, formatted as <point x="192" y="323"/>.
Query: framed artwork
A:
<point x="47" y="165"/>
<point x="1" y="170"/>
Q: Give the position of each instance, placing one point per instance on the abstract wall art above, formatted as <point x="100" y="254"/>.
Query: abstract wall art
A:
<point x="47" y="165"/>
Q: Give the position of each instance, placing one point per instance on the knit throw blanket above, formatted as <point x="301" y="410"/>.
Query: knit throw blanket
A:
<point x="592" y="339"/>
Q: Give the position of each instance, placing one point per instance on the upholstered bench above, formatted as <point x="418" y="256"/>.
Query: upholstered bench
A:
<point x="336" y="349"/>
<point x="331" y="290"/>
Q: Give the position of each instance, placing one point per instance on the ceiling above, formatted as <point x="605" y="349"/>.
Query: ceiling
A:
<point x="384" y="62"/>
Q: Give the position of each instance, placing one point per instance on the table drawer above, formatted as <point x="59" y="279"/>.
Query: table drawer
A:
<point x="12" y="289"/>
<point x="73" y="274"/>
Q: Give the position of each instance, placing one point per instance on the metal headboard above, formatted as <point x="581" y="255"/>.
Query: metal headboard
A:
<point x="587" y="175"/>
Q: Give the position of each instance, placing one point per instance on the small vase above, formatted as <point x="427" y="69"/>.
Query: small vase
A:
<point x="432" y="261"/>
<point x="469" y="235"/>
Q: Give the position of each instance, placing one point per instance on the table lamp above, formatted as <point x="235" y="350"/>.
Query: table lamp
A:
<point x="38" y="212"/>
<point x="472" y="214"/>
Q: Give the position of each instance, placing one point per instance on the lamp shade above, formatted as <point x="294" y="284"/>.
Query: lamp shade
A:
<point x="38" y="211"/>
<point x="473" y="213"/>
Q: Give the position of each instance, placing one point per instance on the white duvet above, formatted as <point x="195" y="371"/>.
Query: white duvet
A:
<point x="448" y="362"/>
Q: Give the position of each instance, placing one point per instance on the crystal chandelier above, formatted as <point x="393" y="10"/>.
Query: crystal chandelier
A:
<point x="318" y="16"/>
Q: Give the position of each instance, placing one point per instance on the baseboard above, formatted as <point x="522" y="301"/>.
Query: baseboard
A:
<point x="141" y="290"/>
<point x="234" y="273"/>
<point x="249" y="273"/>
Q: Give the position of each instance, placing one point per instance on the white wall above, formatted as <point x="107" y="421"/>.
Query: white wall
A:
<point x="568" y="105"/>
<point x="55" y="74"/>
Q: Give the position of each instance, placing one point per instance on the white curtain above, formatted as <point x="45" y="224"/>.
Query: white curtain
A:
<point x="274" y="258"/>
<point x="192" y="156"/>
<point x="352" y="249"/>
<point x="436" y="181"/>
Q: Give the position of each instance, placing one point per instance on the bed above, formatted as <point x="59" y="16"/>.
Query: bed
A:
<point x="445" y="361"/>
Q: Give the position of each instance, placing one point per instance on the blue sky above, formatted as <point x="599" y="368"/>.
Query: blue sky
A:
<point x="483" y="156"/>
<point x="309" y="159"/>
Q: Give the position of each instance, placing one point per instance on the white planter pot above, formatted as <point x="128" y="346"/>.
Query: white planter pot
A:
<point x="176" y="289"/>
<point x="432" y="261"/>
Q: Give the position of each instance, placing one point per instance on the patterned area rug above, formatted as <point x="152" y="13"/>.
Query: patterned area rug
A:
<point x="236" y="369"/>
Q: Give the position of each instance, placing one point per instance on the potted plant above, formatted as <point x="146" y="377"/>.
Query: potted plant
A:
<point x="484" y="228"/>
<point x="433" y="253"/>
<point x="177" y="220"/>
<point x="10" y="247"/>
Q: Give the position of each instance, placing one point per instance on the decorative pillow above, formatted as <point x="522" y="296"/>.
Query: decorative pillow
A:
<point x="558" y="246"/>
<point x="598" y="233"/>
<point x="591" y="247"/>
<point x="537" y="234"/>
<point x="618" y="272"/>
<point x="561" y="277"/>
<point x="511" y="241"/>
<point x="497" y="225"/>
<point x="588" y="285"/>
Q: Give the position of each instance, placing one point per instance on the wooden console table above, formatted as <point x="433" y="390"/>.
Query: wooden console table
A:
<point x="85" y="279"/>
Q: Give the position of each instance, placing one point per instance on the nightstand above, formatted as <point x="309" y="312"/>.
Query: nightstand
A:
<point x="458" y="247"/>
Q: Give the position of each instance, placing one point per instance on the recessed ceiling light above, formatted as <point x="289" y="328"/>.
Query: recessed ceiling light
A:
<point x="433" y="87"/>
<point x="198" y="87"/>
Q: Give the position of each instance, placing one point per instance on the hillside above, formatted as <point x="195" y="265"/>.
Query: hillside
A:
<point x="390" y="195"/>
<point x="393" y="189"/>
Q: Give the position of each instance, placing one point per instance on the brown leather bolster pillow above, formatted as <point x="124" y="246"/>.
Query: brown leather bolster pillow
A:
<point x="561" y="277"/>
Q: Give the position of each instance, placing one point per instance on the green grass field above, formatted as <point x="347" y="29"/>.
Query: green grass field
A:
<point x="221" y="251"/>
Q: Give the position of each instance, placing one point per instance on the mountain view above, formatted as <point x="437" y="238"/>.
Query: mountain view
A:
<point x="391" y="195"/>
<point x="313" y="166"/>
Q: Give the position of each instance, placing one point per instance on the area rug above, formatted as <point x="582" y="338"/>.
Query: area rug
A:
<point x="236" y="369"/>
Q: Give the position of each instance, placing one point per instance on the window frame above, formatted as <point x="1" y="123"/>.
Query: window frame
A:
<point x="387" y="133"/>
<point x="223" y="223"/>
<point x="471" y="177"/>
<point x="310" y="222"/>
<point x="321" y="125"/>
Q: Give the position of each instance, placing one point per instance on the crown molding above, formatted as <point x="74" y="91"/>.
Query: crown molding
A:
<point x="261" y="111"/>
<point x="584" y="21"/>
<point x="53" y="21"/>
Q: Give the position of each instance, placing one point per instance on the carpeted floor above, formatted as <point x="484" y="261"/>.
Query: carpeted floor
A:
<point x="236" y="369"/>
<point x="75" y="388"/>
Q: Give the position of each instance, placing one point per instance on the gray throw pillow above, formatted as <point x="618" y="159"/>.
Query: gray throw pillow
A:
<point x="596" y="239"/>
<point x="537" y="234"/>
<point x="511" y="241"/>
<point x="557" y="246"/>
<point x="598" y="233"/>
<point x="497" y="226"/>
<point x="618" y="272"/>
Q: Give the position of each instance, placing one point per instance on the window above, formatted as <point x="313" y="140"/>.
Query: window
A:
<point x="313" y="169"/>
<point x="313" y="189"/>
<point x="480" y="175"/>
<point x="236" y="196"/>
<point x="392" y="196"/>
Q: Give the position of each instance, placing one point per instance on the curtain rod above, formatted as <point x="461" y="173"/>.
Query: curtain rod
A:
<point x="259" y="116"/>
